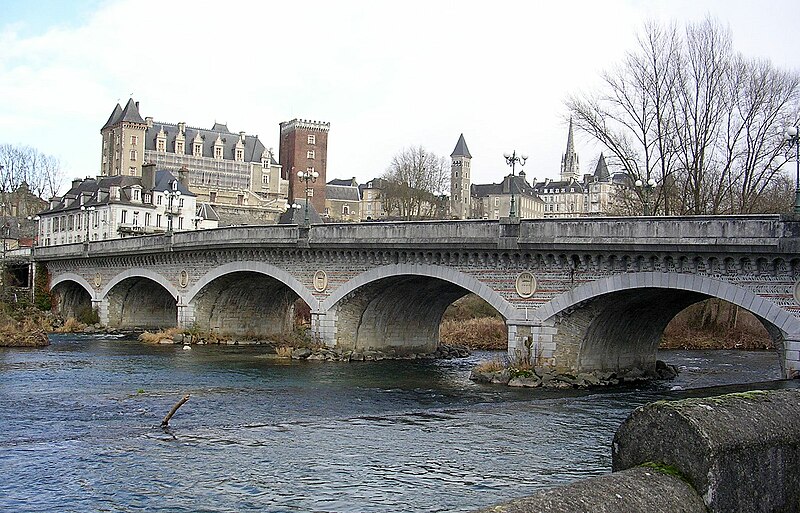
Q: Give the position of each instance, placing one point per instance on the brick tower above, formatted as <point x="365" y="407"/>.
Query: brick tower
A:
<point x="304" y="147"/>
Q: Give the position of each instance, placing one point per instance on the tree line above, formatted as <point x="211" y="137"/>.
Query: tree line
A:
<point x="702" y="121"/>
<point x="42" y="173"/>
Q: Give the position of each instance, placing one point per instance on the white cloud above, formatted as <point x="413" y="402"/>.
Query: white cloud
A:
<point x="385" y="75"/>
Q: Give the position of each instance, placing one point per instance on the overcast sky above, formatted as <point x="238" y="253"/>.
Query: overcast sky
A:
<point x="385" y="75"/>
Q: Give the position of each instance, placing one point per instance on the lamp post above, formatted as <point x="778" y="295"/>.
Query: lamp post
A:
<point x="307" y="177"/>
<point x="645" y="194"/>
<point x="792" y="134"/>
<point x="511" y="160"/>
<point x="169" y="208"/>
<point x="88" y="211"/>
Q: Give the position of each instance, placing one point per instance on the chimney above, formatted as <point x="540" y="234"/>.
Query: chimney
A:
<point x="148" y="176"/>
<point x="241" y="136"/>
<point x="183" y="176"/>
<point x="76" y="183"/>
<point x="149" y="121"/>
<point x="137" y="105"/>
<point x="182" y="127"/>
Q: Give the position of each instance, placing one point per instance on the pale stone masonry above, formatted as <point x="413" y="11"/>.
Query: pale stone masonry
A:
<point x="583" y="294"/>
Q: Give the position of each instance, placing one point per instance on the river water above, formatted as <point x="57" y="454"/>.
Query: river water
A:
<point x="79" y="429"/>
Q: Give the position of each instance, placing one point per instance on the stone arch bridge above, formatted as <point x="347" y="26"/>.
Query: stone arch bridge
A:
<point x="579" y="294"/>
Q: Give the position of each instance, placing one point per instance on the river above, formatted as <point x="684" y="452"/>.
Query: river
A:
<point x="79" y="429"/>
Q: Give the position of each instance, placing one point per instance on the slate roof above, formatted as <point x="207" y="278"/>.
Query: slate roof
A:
<point x="601" y="173"/>
<point x="96" y="191"/>
<point x="461" y="149"/>
<point x="206" y="211"/>
<point x="558" y="185"/>
<point x="519" y="185"/>
<point x="351" y="182"/>
<point x="342" y="192"/>
<point x="298" y="215"/>
<point x="253" y="147"/>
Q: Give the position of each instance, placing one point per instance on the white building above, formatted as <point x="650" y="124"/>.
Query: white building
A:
<point x="111" y="207"/>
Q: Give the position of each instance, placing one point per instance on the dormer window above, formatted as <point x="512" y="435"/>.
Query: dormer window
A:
<point x="147" y="198"/>
<point x="135" y="194"/>
<point x="179" y="147"/>
<point x="198" y="149"/>
<point x="217" y="152"/>
<point x="162" y="145"/>
<point x="239" y="155"/>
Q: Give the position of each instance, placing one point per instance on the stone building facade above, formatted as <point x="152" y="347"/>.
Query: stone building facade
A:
<point x="234" y="172"/>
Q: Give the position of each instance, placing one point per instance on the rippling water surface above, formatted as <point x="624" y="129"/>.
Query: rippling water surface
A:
<point x="79" y="429"/>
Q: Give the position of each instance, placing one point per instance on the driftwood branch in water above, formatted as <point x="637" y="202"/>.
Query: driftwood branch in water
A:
<point x="165" y="422"/>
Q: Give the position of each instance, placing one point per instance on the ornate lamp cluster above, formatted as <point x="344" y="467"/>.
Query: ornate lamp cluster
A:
<point x="512" y="159"/>
<point x="307" y="177"/>
<point x="792" y="135"/>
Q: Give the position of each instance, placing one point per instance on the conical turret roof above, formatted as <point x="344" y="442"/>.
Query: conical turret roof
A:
<point x="131" y="113"/>
<point x="461" y="149"/>
<point x="601" y="173"/>
<point x="114" y="117"/>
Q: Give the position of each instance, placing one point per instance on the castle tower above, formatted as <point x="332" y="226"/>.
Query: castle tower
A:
<point x="123" y="141"/>
<point x="459" y="180"/>
<point x="570" y="167"/>
<point x="304" y="147"/>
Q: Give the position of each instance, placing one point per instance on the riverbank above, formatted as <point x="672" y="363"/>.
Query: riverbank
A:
<point x="23" y="327"/>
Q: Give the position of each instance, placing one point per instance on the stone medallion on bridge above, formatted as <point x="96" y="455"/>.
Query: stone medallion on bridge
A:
<point x="320" y="281"/>
<point x="98" y="280"/>
<point x="183" y="278"/>
<point x="525" y="285"/>
<point x="797" y="292"/>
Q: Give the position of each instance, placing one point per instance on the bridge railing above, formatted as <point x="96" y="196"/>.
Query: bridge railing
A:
<point x="700" y="233"/>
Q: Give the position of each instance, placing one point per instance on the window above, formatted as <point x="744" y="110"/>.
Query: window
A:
<point x="310" y="192"/>
<point x="239" y="154"/>
<point x="133" y="154"/>
<point x="71" y="222"/>
<point x="132" y="171"/>
<point x="180" y="203"/>
<point x="496" y="201"/>
<point x="265" y="179"/>
<point x="310" y="169"/>
<point x="239" y="199"/>
<point x="217" y="152"/>
<point x="346" y="210"/>
<point x="158" y="199"/>
<point x="124" y="217"/>
<point x="179" y="147"/>
<point x="148" y="217"/>
<point x="135" y="218"/>
<point x="147" y="198"/>
<point x="136" y="195"/>
<point x="265" y="163"/>
<point x="158" y="220"/>
<point x="78" y="220"/>
<point x="312" y="139"/>
<point x="180" y="223"/>
<point x="310" y="154"/>
<point x="134" y="139"/>
<point x="198" y="150"/>
<point x="162" y="145"/>
<point x="212" y="196"/>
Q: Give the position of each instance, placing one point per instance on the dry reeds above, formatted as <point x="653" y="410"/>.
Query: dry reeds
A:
<point x="488" y="333"/>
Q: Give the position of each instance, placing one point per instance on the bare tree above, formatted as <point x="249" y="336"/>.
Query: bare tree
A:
<point x="414" y="181"/>
<point x="42" y="173"/>
<point x="687" y="111"/>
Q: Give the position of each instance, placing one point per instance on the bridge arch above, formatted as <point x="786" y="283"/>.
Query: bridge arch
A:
<point x="255" y="267"/>
<point x="131" y="301"/>
<point x="72" y="294"/>
<point x="398" y="308"/>
<point x="624" y="332"/>
<point x="448" y="274"/>
<point x="249" y="299"/>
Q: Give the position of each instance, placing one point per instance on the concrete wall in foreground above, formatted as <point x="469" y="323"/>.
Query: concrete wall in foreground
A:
<point x="736" y="453"/>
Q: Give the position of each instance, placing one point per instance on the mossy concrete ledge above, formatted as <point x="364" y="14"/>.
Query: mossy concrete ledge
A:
<point x="640" y="489"/>
<point x="741" y="452"/>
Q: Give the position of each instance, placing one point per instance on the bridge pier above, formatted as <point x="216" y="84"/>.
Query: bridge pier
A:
<point x="531" y="339"/>
<point x="101" y="307"/>
<point x="185" y="314"/>
<point x="792" y="352"/>
<point x="323" y="327"/>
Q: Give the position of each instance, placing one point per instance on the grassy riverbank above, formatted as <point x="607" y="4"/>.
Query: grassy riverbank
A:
<point x="23" y="326"/>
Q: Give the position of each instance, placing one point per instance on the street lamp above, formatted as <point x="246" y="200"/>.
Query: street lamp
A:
<point x="88" y="211"/>
<point x="511" y="160"/>
<point x="792" y="134"/>
<point x="170" y="208"/>
<point x="307" y="177"/>
<point x="645" y="195"/>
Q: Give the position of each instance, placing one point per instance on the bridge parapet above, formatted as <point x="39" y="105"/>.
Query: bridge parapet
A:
<point x="698" y="234"/>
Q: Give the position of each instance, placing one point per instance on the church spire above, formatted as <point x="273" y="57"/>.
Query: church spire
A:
<point x="570" y="167"/>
